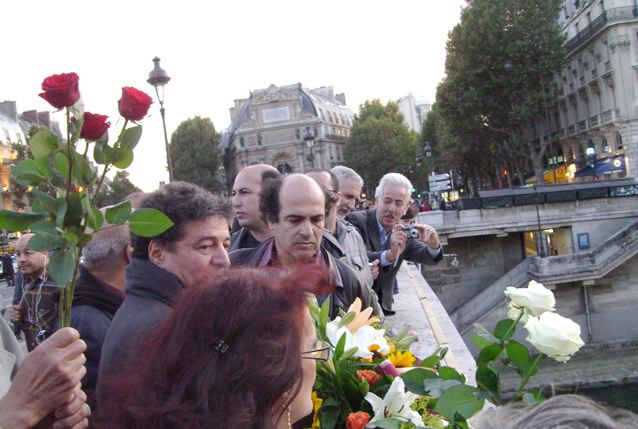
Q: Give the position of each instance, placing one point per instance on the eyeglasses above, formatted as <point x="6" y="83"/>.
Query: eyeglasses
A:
<point x="320" y="352"/>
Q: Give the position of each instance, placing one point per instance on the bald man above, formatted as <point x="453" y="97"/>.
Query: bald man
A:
<point x="294" y="208"/>
<point x="245" y="200"/>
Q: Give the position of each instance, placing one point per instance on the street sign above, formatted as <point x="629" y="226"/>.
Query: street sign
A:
<point x="439" y="177"/>
<point x="440" y="186"/>
<point x="440" y="182"/>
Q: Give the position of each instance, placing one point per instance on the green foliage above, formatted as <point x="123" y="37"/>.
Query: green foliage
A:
<point x="195" y="153"/>
<point x="501" y="61"/>
<point x="380" y="139"/>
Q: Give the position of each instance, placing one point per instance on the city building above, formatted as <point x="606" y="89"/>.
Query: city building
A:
<point x="414" y="112"/>
<point x="597" y="135"/>
<point x="289" y="127"/>
<point x="14" y="129"/>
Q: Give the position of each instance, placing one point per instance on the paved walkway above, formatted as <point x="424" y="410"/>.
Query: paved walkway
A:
<point x="416" y="305"/>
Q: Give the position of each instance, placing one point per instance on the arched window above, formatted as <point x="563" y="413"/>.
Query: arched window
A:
<point x="619" y="145"/>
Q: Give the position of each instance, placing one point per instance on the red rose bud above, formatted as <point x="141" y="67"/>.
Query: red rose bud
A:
<point x="61" y="90"/>
<point x="94" y="126"/>
<point x="370" y="376"/>
<point x="357" y="420"/>
<point x="388" y="368"/>
<point x="134" y="104"/>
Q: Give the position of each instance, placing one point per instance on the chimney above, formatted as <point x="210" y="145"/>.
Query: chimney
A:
<point x="31" y="116"/>
<point x="341" y="98"/>
<point x="44" y="119"/>
<point x="9" y="108"/>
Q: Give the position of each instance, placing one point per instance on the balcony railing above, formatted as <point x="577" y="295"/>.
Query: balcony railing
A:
<point x="582" y="126"/>
<point x="336" y="138"/>
<point x="593" y="121"/>
<point x="606" y="116"/>
<point x="571" y="130"/>
<point x="608" y="16"/>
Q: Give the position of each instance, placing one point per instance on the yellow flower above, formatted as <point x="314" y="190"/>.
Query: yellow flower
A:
<point x="316" y="404"/>
<point x="402" y="359"/>
<point x="362" y="318"/>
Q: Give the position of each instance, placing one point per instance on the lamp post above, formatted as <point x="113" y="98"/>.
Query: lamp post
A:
<point x="159" y="78"/>
<point x="309" y="138"/>
<point x="540" y="242"/>
<point x="427" y="150"/>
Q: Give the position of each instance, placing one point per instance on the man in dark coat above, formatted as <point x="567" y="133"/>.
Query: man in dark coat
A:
<point x="7" y="269"/>
<point x="245" y="200"/>
<point x="294" y="208"/>
<point x="189" y="253"/>
<point x="385" y="240"/>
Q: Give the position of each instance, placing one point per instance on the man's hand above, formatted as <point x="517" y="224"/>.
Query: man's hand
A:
<point x="428" y="236"/>
<point x="398" y="239"/>
<point x="16" y="313"/>
<point x="48" y="379"/>
<point x="74" y="414"/>
<point x="374" y="267"/>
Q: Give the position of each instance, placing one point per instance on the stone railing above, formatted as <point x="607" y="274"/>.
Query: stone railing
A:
<point x="608" y="16"/>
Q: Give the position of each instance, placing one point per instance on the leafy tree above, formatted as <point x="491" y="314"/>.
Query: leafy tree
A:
<point x="380" y="143"/>
<point x="499" y="92"/>
<point x="115" y="192"/>
<point x="195" y="153"/>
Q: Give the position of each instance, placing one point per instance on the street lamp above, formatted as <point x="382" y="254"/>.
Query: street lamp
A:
<point x="540" y="241"/>
<point x="309" y="138"/>
<point x="158" y="78"/>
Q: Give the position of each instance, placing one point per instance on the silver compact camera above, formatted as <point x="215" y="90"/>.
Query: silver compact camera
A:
<point x="411" y="231"/>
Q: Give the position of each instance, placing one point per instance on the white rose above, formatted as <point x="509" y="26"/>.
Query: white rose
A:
<point x="556" y="336"/>
<point x="513" y="312"/>
<point x="536" y="298"/>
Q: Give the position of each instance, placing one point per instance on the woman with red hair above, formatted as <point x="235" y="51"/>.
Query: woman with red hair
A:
<point x="238" y="352"/>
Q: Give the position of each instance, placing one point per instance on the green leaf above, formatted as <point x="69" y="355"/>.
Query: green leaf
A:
<point x="71" y="237"/>
<point x="347" y="318"/>
<point x="487" y="380"/>
<point x="488" y="354"/>
<point x="102" y="153"/>
<point x="74" y="212"/>
<point x="459" y="399"/>
<point x="349" y="353"/>
<point x="118" y="214"/>
<point x="43" y="143"/>
<point x="31" y="172"/>
<point x="122" y="157"/>
<point x="340" y="346"/>
<point x="325" y="311"/>
<point x="414" y="378"/>
<point x="147" y="222"/>
<point x="16" y="221"/>
<point x="388" y="424"/>
<point x="61" y="213"/>
<point x="82" y="171"/>
<point x="45" y="227"/>
<point x="62" y="165"/>
<point x="61" y="265"/>
<point x="430" y="361"/>
<point x="480" y="342"/>
<point x="43" y="203"/>
<point x="41" y="243"/>
<point x="518" y="355"/>
<point x="503" y="327"/>
<point x="436" y="386"/>
<point x="131" y="136"/>
<point x="448" y="373"/>
<point x="95" y="219"/>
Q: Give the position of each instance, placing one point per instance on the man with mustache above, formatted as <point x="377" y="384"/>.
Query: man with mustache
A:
<point x="294" y="208"/>
<point x="382" y="234"/>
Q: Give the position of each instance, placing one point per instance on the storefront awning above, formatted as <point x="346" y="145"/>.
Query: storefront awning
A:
<point x="604" y="167"/>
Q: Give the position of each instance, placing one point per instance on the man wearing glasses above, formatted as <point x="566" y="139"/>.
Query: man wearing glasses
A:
<point x="341" y="238"/>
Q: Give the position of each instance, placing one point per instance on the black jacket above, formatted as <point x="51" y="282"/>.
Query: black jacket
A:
<point x="415" y="251"/>
<point x="151" y="294"/>
<point x="348" y="287"/>
<point x="94" y="305"/>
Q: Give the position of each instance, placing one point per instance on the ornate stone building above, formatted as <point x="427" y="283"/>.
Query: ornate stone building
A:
<point x="289" y="127"/>
<point x="598" y="106"/>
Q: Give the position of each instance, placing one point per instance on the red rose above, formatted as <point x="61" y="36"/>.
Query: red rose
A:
<point x="61" y="90"/>
<point x="94" y="126"/>
<point x="357" y="420"/>
<point x="134" y="104"/>
<point x="371" y="376"/>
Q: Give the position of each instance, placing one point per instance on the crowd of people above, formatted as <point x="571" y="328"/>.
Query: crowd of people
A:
<point x="206" y="325"/>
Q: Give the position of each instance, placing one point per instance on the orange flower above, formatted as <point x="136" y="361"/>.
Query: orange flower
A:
<point x="371" y="376"/>
<point x="357" y="420"/>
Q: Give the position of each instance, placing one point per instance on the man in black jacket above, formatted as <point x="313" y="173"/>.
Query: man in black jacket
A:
<point x="294" y="208"/>
<point x="189" y="253"/>
<point x="385" y="240"/>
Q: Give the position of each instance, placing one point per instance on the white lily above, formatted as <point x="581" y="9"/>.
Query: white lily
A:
<point x="334" y="332"/>
<point x="396" y="404"/>
<point x="367" y="338"/>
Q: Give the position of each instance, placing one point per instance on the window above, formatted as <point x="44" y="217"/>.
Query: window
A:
<point x="241" y="141"/>
<point x="323" y="117"/>
<point x="619" y="145"/>
<point x="297" y="133"/>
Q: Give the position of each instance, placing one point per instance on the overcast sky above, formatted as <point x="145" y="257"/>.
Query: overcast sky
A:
<point x="216" y="52"/>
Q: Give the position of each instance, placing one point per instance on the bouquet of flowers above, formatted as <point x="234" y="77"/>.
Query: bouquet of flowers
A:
<point x="373" y="380"/>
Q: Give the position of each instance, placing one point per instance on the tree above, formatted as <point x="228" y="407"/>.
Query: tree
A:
<point x="380" y="143"/>
<point x="195" y="153"/>
<point x="115" y="192"/>
<point x="499" y="92"/>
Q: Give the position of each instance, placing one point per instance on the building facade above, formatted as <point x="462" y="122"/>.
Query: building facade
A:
<point x="289" y="127"/>
<point x="414" y="112"/>
<point x="598" y="90"/>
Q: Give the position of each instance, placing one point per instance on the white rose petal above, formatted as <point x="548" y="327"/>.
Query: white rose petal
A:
<point x="556" y="336"/>
<point x="536" y="298"/>
<point x="513" y="312"/>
